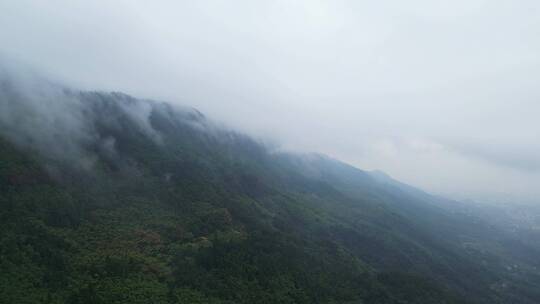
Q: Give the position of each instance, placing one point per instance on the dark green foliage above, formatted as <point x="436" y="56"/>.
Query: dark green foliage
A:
<point x="188" y="213"/>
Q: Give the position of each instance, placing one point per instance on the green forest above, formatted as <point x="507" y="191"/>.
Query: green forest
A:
<point x="173" y="208"/>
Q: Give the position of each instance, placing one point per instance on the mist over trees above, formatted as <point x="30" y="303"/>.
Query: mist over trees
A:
<point x="106" y="198"/>
<point x="291" y="152"/>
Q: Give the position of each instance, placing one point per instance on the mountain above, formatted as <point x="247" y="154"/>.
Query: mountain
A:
<point x="106" y="198"/>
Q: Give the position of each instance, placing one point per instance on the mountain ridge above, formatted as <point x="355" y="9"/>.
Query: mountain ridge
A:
<point x="107" y="198"/>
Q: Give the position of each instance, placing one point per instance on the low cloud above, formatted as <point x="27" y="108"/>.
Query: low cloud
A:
<point x="442" y="95"/>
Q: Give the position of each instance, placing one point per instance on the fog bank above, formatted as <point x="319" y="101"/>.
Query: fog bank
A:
<point x="443" y="95"/>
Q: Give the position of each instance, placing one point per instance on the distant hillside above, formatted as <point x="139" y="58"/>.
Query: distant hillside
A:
<point x="106" y="198"/>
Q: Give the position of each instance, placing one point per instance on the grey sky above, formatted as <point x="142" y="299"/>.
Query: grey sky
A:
<point x="444" y="95"/>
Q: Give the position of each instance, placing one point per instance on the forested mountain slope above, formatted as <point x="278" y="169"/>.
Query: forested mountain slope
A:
<point x="105" y="198"/>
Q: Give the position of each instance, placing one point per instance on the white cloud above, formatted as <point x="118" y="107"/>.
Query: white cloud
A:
<point x="441" y="94"/>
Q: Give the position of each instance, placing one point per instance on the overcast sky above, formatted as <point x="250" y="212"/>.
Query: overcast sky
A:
<point x="444" y="95"/>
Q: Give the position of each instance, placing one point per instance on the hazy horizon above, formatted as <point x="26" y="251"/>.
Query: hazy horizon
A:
<point x="442" y="95"/>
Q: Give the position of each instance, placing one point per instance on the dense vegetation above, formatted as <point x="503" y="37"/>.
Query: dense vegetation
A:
<point x="168" y="208"/>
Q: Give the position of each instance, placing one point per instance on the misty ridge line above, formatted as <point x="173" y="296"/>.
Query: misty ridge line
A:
<point x="61" y="124"/>
<point x="449" y="90"/>
<point x="71" y="130"/>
